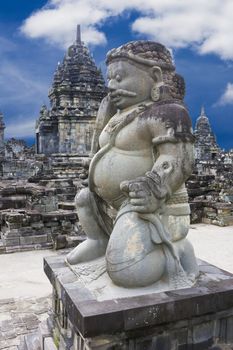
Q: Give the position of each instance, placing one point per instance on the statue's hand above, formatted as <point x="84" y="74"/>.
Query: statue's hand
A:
<point x="142" y="199"/>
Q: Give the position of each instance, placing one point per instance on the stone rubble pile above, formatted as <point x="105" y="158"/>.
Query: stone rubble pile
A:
<point x="210" y="187"/>
<point x="36" y="216"/>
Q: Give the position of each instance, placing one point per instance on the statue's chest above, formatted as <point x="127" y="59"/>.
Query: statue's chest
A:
<point x="133" y="136"/>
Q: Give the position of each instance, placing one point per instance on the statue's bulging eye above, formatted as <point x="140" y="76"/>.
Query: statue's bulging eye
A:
<point x="118" y="78"/>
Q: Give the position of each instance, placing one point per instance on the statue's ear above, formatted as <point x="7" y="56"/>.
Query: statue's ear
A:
<point x="157" y="74"/>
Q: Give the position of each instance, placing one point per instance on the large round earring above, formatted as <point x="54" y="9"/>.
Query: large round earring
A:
<point x="155" y="93"/>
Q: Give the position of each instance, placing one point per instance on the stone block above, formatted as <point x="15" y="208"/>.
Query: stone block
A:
<point x="43" y="333"/>
<point x="37" y="225"/>
<point x="60" y="242"/>
<point x="26" y="231"/>
<point x="11" y="241"/>
<point x="229" y="332"/>
<point x="34" y="216"/>
<point x="49" y="237"/>
<point x="14" y="217"/>
<point x="13" y="225"/>
<point x="32" y="342"/>
<point x="66" y="205"/>
<point x="40" y="239"/>
<point x="12" y="249"/>
<point x="41" y="208"/>
<point x="66" y="225"/>
<point x="185" y="319"/>
<point x="11" y="233"/>
<point x="163" y="342"/>
<point x="50" y="208"/>
<point x="203" y="332"/>
<point x="26" y="240"/>
<point x="206" y="221"/>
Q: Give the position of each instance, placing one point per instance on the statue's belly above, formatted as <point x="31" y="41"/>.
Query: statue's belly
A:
<point x="117" y="166"/>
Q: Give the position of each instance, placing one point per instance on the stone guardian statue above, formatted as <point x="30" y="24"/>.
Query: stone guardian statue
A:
<point x="135" y="210"/>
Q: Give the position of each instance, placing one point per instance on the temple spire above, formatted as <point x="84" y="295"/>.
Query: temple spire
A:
<point x="78" y="35"/>
<point x="202" y="110"/>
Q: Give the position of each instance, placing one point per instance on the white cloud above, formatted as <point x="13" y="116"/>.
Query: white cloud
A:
<point x="227" y="96"/>
<point x="22" y="127"/>
<point x="17" y="85"/>
<point x="205" y="25"/>
<point x="22" y="91"/>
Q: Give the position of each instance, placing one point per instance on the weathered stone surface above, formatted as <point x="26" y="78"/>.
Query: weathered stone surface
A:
<point x="145" y="154"/>
<point x="211" y="183"/>
<point x="206" y="147"/>
<point x="192" y="318"/>
<point x="20" y="317"/>
<point x="77" y="90"/>
<point x="38" y="221"/>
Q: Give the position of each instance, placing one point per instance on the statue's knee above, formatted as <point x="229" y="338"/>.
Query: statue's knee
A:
<point x="82" y="198"/>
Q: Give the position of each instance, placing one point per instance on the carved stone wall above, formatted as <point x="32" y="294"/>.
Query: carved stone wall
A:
<point x="206" y="147"/>
<point x="77" y="89"/>
<point x="210" y="186"/>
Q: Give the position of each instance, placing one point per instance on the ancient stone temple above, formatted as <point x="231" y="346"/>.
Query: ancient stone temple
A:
<point x="206" y="147"/>
<point x="2" y="128"/>
<point x="210" y="185"/>
<point x="77" y="89"/>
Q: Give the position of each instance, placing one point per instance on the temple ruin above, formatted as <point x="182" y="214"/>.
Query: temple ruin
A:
<point x="210" y="185"/>
<point x="77" y="89"/>
<point x="206" y="147"/>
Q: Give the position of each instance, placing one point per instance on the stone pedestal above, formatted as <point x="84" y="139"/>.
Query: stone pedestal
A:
<point x="194" y="318"/>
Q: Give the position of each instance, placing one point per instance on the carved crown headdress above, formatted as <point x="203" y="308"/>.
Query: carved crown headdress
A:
<point x="148" y="53"/>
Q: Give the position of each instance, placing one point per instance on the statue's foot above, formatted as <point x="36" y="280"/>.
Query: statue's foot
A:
<point x="87" y="250"/>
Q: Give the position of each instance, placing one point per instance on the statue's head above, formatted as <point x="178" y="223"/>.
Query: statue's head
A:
<point x="139" y="71"/>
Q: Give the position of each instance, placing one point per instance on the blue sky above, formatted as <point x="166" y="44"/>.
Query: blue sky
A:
<point x="35" y="34"/>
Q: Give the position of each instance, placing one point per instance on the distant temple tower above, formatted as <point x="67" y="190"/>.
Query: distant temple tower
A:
<point x="77" y="89"/>
<point x="206" y="147"/>
<point x="2" y="128"/>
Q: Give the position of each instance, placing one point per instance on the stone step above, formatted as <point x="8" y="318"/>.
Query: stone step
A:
<point x="2" y="247"/>
<point x="49" y="344"/>
<point x="32" y="342"/>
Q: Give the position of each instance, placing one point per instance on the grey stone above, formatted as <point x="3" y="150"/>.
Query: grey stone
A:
<point x="184" y="319"/>
<point x="205" y="145"/>
<point x="203" y="332"/>
<point x="146" y="238"/>
<point x="40" y="239"/>
<point x="77" y="90"/>
<point x="49" y="344"/>
<point x="26" y="240"/>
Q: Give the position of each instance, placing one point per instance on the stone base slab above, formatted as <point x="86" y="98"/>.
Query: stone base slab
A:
<point x="194" y="318"/>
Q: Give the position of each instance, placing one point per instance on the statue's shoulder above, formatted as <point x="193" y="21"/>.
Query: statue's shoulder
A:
<point x="169" y="108"/>
<point x="173" y="114"/>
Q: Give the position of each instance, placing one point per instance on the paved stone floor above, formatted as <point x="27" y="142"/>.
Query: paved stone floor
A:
<point x="20" y="316"/>
<point x="24" y="295"/>
<point x="25" y="290"/>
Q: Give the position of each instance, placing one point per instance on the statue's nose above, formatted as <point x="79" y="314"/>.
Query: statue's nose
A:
<point x="111" y="86"/>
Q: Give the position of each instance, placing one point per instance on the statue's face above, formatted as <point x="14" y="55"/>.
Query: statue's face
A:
<point x="128" y="84"/>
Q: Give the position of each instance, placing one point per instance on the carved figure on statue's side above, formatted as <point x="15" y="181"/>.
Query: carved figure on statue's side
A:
<point x="143" y="147"/>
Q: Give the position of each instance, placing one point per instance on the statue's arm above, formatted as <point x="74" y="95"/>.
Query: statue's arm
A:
<point x="105" y="113"/>
<point x="173" y="165"/>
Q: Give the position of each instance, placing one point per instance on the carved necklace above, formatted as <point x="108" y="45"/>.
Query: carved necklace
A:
<point x="118" y="118"/>
<point x="115" y="121"/>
